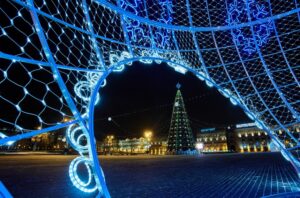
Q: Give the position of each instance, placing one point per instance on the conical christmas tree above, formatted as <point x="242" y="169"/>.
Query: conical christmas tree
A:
<point x="180" y="137"/>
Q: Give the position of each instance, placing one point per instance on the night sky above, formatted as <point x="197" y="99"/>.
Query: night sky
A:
<point x="141" y="97"/>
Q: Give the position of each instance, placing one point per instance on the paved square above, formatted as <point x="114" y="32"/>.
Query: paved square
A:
<point x="219" y="175"/>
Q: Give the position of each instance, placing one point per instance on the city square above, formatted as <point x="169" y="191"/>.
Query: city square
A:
<point x="218" y="175"/>
<point x="177" y="98"/>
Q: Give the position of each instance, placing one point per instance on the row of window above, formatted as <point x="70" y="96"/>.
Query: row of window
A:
<point x="206" y="139"/>
<point x="251" y="134"/>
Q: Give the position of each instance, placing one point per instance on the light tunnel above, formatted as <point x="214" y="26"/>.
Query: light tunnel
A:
<point x="247" y="49"/>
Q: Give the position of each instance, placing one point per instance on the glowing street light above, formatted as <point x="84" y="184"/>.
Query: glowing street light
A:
<point x="110" y="137"/>
<point x="148" y="135"/>
<point x="199" y="147"/>
<point x="109" y="142"/>
<point x="66" y="119"/>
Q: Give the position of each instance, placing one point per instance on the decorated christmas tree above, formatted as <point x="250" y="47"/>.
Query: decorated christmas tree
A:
<point x="180" y="140"/>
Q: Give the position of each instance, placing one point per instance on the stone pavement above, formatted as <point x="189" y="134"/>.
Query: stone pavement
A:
<point x="218" y="175"/>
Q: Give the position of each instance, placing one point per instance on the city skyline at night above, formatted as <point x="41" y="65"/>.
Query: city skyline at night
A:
<point x="88" y="86"/>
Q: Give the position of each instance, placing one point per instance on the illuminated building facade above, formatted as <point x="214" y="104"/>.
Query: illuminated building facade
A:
<point x="238" y="138"/>
<point x="214" y="140"/>
<point x="134" y="146"/>
<point x="54" y="141"/>
<point x="158" y="147"/>
<point x="251" y="139"/>
<point x="108" y="146"/>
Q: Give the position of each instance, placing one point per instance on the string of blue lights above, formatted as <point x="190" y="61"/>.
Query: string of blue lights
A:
<point x="61" y="53"/>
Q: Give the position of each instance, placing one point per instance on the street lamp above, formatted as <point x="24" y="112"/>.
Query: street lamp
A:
<point x="148" y="135"/>
<point x="67" y="119"/>
<point x="199" y="147"/>
<point x="110" y="141"/>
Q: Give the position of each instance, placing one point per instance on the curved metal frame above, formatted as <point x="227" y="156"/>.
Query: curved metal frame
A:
<point x="80" y="130"/>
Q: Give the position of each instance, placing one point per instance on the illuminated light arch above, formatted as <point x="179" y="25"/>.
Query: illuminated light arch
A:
<point x="249" y="55"/>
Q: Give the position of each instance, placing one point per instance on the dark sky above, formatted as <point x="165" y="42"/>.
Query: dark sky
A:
<point x="141" y="97"/>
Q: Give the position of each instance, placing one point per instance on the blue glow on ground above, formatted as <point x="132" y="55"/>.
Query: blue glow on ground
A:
<point x="246" y="49"/>
<point x="220" y="175"/>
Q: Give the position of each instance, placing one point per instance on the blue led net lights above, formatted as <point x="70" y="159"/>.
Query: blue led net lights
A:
<point x="262" y="32"/>
<point x="55" y="56"/>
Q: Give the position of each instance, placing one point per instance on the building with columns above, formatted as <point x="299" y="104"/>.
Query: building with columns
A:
<point x="239" y="138"/>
